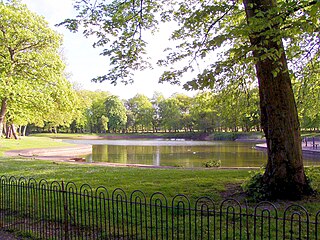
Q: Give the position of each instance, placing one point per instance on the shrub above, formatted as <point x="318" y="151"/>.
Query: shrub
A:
<point x="254" y="186"/>
<point x="212" y="163"/>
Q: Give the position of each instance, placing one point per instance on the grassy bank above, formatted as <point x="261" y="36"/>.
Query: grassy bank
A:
<point x="193" y="183"/>
<point x="29" y="142"/>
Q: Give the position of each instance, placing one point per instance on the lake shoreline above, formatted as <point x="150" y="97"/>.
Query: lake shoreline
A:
<point x="72" y="153"/>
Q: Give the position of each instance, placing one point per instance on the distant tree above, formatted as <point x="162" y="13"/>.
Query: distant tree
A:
<point x="156" y="99"/>
<point x="95" y="113"/>
<point x="116" y="114"/>
<point x="204" y="112"/>
<point x="185" y="102"/>
<point x="170" y="115"/>
<point x="80" y="120"/>
<point x="142" y="111"/>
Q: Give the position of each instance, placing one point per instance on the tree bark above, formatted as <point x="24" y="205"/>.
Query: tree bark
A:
<point x="24" y="131"/>
<point x="3" y="112"/>
<point x="14" y="131"/>
<point x="284" y="175"/>
<point x="8" y="131"/>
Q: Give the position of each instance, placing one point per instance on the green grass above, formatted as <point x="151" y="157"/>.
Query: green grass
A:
<point x="193" y="183"/>
<point x="29" y="142"/>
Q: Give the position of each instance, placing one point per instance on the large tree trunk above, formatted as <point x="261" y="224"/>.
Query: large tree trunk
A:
<point x="3" y="112"/>
<point x="284" y="175"/>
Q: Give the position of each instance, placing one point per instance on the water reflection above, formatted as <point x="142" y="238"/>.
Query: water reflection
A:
<point x="179" y="153"/>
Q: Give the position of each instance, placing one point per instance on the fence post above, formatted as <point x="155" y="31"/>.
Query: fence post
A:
<point x="65" y="212"/>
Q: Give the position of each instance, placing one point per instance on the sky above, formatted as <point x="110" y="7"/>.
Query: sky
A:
<point x="84" y="62"/>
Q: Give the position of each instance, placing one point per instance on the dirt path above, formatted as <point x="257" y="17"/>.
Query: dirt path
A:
<point x="55" y="153"/>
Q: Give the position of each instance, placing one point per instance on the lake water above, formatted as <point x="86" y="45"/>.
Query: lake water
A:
<point x="182" y="153"/>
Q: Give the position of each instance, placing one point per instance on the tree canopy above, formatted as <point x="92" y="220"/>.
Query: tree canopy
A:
<point x="209" y="31"/>
<point x="34" y="88"/>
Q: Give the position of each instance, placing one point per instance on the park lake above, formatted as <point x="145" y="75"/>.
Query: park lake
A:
<point x="179" y="153"/>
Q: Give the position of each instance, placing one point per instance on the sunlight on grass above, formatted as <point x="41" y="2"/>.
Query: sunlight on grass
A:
<point x="29" y="142"/>
<point x="194" y="183"/>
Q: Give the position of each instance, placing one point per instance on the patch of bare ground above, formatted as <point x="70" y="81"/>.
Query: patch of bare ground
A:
<point x="234" y="191"/>
<point x="6" y="235"/>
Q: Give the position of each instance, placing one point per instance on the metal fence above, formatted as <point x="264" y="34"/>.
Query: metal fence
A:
<point x="59" y="210"/>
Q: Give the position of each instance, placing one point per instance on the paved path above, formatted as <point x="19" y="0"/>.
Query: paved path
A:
<point x="306" y="149"/>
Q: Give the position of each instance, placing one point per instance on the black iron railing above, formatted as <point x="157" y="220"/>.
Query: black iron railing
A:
<point x="59" y="210"/>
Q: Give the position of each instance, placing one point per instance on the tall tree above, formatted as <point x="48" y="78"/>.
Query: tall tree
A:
<point x="116" y="114"/>
<point x="142" y="111"/>
<point x="170" y="114"/>
<point x="245" y="36"/>
<point x="31" y="69"/>
<point x="284" y="175"/>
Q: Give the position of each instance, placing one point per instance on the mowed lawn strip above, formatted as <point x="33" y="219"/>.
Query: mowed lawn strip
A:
<point x="192" y="183"/>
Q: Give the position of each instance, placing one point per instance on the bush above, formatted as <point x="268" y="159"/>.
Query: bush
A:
<point x="212" y="163"/>
<point x="254" y="186"/>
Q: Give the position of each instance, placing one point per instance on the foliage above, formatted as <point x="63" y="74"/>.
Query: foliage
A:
<point x="95" y="111"/>
<point x="115" y="113"/>
<point x="204" y="29"/>
<point x="34" y="88"/>
<point x="142" y="112"/>
<point x="170" y="114"/>
<point x="212" y="163"/>
<point x="254" y="186"/>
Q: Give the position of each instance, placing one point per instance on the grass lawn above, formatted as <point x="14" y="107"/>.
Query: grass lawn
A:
<point x="29" y="142"/>
<point x="193" y="183"/>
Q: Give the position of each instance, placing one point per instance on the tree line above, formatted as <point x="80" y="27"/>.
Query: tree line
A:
<point x="231" y="110"/>
<point x="101" y="112"/>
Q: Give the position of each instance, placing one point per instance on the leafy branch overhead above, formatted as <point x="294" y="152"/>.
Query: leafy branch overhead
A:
<point x="209" y="35"/>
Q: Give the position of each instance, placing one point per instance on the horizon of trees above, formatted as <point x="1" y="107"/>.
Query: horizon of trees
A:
<point x="227" y="111"/>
